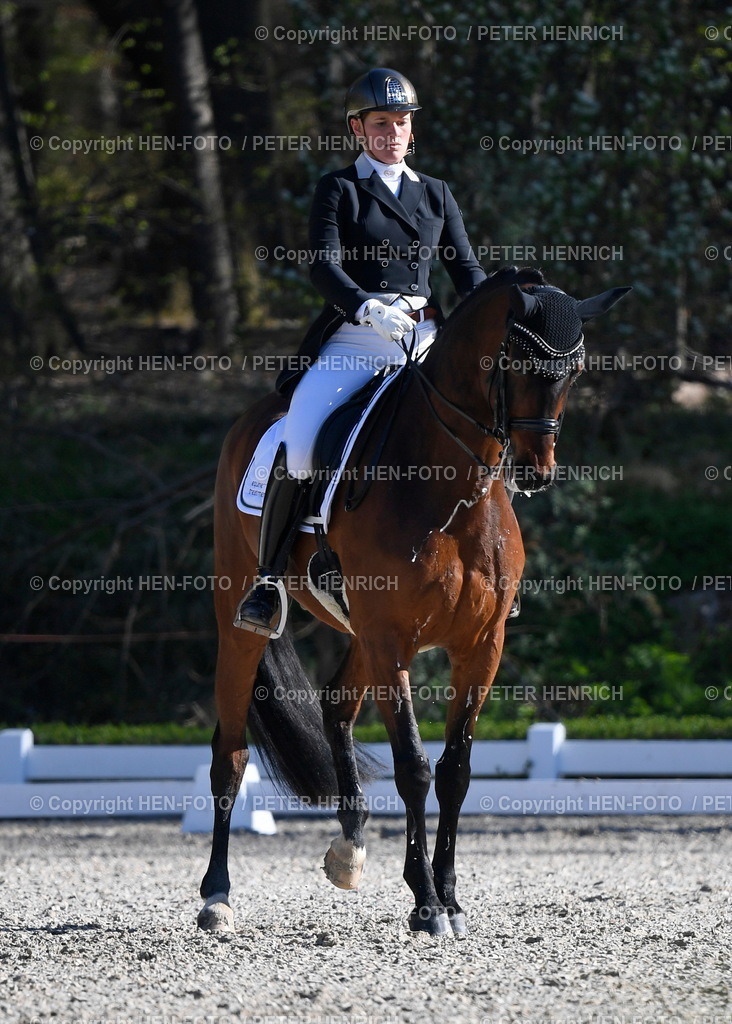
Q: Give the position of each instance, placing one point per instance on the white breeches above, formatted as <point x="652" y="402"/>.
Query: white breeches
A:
<point x="350" y="358"/>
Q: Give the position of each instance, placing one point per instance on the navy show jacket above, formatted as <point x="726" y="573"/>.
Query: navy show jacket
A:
<point x="363" y="239"/>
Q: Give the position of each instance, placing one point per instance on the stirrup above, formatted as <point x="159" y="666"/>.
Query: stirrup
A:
<point x="271" y="632"/>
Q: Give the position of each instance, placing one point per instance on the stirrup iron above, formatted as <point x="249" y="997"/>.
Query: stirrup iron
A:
<point x="271" y="632"/>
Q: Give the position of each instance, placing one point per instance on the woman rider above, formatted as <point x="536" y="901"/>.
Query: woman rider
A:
<point x="375" y="228"/>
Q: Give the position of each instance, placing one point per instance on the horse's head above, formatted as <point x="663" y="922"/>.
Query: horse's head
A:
<point x="543" y="353"/>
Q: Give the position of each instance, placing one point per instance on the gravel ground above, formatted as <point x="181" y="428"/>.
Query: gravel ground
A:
<point x="615" y="921"/>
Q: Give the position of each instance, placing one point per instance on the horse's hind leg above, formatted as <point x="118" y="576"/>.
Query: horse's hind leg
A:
<point x="471" y="679"/>
<point x="235" y="673"/>
<point x="341" y="700"/>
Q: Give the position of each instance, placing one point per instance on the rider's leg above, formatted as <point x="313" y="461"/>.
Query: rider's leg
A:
<point x="327" y="384"/>
<point x="347" y="361"/>
<point x="284" y="500"/>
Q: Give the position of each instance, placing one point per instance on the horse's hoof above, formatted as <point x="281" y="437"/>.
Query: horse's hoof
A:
<point x="343" y="863"/>
<point x="216" y="915"/>
<point x="458" y="923"/>
<point x="434" y="921"/>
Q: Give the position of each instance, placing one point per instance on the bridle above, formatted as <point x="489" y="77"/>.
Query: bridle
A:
<point x="540" y="357"/>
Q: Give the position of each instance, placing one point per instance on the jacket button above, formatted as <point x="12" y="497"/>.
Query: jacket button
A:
<point x="384" y="241"/>
<point x="384" y="284"/>
<point x="385" y="263"/>
<point x="414" y="287"/>
<point x="414" y="266"/>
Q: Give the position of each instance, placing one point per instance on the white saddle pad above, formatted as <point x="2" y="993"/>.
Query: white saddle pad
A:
<point x="254" y="483"/>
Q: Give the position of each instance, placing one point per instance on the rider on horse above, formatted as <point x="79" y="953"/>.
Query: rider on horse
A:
<point x="375" y="228"/>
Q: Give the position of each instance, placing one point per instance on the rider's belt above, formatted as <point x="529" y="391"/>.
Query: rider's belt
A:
<point x="428" y="313"/>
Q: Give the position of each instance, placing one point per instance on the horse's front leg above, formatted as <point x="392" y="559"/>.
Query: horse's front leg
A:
<point x="472" y="676"/>
<point x="341" y="700"/>
<point x="412" y="776"/>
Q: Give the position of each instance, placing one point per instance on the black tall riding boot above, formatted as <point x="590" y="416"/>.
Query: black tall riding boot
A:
<point x="282" y="510"/>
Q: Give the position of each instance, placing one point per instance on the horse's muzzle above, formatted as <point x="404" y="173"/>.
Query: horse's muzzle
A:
<point x="528" y="479"/>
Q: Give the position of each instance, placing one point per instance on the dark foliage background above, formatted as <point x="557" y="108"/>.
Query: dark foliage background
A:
<point x="159" y="249"/>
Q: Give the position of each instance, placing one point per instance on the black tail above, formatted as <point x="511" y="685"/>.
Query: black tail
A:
<point x="287" y="727"/>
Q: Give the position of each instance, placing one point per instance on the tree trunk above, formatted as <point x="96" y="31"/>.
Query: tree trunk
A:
<point x="214" y="293"/>
<point x="24" y="269"/>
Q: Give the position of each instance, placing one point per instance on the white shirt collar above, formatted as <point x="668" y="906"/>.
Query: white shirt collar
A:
<point x="366" y="165"/>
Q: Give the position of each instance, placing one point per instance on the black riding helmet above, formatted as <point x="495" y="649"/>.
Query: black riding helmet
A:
<point x="380" y="89"/>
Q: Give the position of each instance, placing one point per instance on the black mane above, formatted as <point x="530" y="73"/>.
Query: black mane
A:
<point x="501" y="278"/>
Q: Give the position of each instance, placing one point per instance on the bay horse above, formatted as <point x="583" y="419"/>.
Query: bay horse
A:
<point x="487" y="401"/>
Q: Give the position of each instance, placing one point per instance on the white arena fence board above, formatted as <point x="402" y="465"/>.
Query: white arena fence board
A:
<point x="72" y="763"/>
<point x="489" y="757"/>
<point x="544" y="774"/>
<point x="674" y="758"/>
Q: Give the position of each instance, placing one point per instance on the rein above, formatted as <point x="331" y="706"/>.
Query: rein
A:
<point x="497" y="433"/>
<point x="504" y="424"/>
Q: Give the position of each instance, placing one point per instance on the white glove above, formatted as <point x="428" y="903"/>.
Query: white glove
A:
<point x="390" y="323"/>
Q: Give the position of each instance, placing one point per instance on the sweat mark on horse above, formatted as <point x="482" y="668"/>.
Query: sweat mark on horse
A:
<point x="456" y="552"/>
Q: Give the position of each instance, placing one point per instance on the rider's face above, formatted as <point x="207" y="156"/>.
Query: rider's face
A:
<point x="387" y="134"/>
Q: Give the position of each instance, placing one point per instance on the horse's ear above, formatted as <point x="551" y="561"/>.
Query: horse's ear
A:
<point x="588" y="309"/>
<point x="522" y="305"/>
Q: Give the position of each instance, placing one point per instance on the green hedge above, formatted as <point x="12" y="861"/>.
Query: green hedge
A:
<point x="650" y="727"/>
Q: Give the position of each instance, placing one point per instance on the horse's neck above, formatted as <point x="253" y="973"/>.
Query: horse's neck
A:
<point x="465" y="353"/>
